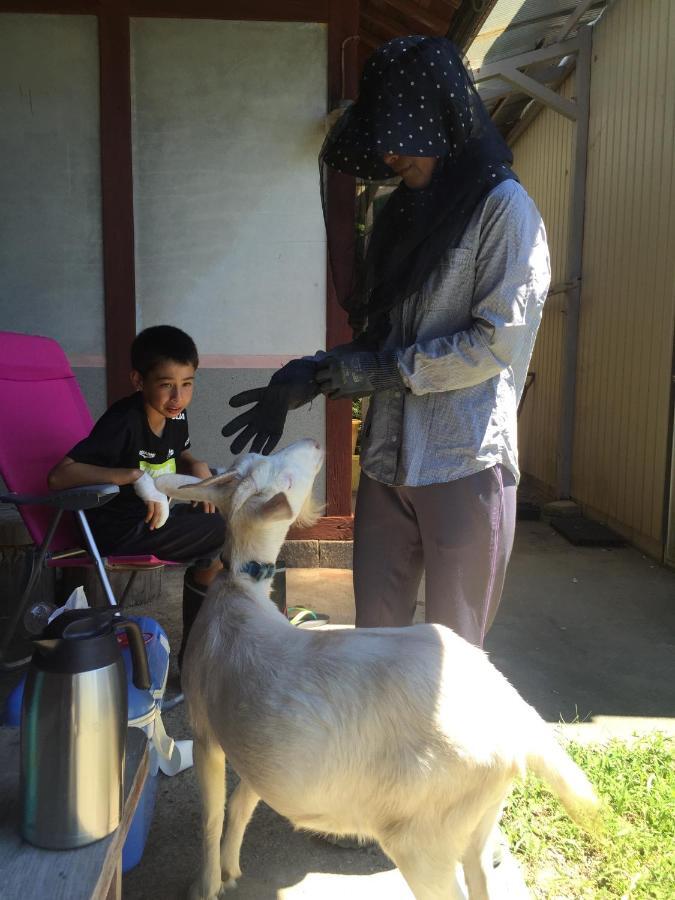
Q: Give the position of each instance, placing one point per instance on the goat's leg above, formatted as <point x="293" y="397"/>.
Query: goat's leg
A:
<point x="240" y="809"/>
<point x="477" y="860"/>
<point x="209" y="762"/>
<point x="431" y="871"/>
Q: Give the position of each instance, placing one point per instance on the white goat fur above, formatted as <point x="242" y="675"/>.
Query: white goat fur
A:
<point x="411" y="736"/>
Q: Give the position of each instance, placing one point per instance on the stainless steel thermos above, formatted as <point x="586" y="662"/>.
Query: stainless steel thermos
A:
<point x="73" y="728"/>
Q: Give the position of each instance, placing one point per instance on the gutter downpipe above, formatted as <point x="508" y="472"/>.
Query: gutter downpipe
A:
<point x="574" y="265"/>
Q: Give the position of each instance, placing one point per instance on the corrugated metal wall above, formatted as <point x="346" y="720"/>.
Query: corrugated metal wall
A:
<point x="543" y="160"/>
<point x="621" y="456"/>
<point x="622" y="440"/>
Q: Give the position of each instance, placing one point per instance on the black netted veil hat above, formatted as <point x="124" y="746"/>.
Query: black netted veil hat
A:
<point x="416" y="98"/>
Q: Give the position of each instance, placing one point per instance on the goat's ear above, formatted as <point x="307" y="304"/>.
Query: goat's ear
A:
<point x="187" y="487"/>
<point x="171" y="484"/>
<point x="276" y="508"/>
<point x="224" y="478"/>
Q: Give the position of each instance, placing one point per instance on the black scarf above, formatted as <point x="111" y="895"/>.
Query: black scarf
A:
<point x="416" y="99"/>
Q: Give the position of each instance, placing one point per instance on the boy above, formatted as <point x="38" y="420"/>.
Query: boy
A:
<point x="138" y="438"/>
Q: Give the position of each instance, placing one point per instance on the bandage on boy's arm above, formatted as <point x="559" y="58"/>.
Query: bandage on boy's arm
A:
<point x="69" y="473"/>
<point x="147" y="491"/>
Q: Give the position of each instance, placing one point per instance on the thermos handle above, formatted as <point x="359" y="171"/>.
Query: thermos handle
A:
<point x="139" y="656"/>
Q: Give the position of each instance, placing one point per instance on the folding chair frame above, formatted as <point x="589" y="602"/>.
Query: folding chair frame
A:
<point x="74" y="500"/>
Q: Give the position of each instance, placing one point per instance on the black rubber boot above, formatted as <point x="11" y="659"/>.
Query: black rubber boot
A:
<point x="193" y="597"/>
<point x="278" y="589"/>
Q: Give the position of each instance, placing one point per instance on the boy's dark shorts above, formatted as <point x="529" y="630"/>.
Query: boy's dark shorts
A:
<point x="188" y="535"/>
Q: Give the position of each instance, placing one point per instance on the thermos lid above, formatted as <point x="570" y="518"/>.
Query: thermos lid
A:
<point x="77" y="641"/>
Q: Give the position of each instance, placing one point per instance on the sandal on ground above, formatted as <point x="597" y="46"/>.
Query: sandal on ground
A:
<point x="302" y="617"/>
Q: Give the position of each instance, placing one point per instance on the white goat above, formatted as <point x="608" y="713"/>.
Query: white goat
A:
<point x="413" y="738"/>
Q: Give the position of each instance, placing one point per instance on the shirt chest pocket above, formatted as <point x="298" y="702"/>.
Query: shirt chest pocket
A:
<point x="451" y="285"/>
<point x="444" y="306"/>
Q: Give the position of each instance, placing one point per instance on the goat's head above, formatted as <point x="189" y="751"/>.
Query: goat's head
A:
<point x="267" y="489"/>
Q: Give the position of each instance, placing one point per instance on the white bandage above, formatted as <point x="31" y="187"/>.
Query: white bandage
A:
<point x="146" y="490"/>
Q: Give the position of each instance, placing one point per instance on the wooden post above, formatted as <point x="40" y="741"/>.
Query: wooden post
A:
<point x="343" y="29"/>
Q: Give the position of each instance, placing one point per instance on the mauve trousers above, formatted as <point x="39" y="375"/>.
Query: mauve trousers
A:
<point x="460" y="534"/>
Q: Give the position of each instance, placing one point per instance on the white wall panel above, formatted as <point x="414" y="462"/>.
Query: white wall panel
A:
<point x="51" y="270"/>
<point x="228" y="119"/>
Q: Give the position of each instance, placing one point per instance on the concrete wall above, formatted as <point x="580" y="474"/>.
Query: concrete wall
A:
<point x="51" y="277"/>
<point x="228" y="120"/>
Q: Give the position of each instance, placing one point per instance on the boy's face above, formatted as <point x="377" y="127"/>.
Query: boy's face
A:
<point x="167" y="388"/>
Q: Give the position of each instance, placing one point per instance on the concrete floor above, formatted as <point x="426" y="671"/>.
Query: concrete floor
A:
<point x="583" y="633"/>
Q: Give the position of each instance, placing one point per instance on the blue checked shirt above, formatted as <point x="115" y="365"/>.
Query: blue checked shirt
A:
<point x="464" y="345"/>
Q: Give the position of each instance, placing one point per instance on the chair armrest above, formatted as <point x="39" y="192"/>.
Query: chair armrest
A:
<point x="85" y="497"/>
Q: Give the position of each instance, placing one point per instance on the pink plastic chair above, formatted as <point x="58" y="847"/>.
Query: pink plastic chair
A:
<point x="45" y="415"/>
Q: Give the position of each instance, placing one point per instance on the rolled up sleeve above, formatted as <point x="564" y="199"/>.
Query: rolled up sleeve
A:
<point x="512" y="277"/>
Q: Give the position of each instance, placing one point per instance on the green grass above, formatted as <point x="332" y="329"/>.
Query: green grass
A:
<point x="632" y="856"/>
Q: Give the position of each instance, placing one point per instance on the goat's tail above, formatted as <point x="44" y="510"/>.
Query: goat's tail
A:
<point x="554" y="766"/>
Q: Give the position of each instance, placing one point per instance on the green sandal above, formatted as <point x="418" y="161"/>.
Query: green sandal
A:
<point x="302" y="617"/>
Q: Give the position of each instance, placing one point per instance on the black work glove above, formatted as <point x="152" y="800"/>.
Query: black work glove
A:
<point x="345" y="372"/>
<point x="289" y="388"/>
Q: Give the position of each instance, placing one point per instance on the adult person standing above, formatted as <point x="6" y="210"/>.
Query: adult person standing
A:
<point x="445" y="306"/>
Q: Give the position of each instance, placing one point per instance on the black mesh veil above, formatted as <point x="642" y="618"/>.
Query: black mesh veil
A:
<point x="416" y="98"/>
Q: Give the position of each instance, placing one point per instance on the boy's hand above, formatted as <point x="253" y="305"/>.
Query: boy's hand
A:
<point x="156" y="502"/>
<point x="154" y="517"/>
<point x="200" y="470"/>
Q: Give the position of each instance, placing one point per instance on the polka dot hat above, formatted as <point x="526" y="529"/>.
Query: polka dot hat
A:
<point x="415" y="99"/>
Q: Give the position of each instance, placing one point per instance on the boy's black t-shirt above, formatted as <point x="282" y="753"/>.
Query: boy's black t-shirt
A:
<point x="123" y="439"/>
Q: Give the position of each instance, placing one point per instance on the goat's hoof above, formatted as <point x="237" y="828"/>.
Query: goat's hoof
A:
<point x="230" y="875"/>
<point x="203" y="891"/>
<point x="229" y="884"/>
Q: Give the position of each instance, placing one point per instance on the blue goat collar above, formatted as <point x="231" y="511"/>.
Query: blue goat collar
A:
<point x="258" y="571"/>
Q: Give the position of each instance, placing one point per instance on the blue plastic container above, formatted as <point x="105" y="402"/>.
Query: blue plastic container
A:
<point x="143" y="707"/>
<point x="11" y="713"/>
<point x="142" y="710"/>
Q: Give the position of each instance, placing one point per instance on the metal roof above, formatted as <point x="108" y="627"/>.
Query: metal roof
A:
<point x="515" y="27"/>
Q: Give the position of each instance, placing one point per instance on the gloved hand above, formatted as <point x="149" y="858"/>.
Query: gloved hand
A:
<point x="157" y="503"/>
<point x="344" y="372"/>
<point x="289" y="388"/>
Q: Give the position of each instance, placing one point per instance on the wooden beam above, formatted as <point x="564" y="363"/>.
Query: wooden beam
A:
<point x="527" y="85"/>
<point x="255" y="10"/>
<point x="329" y="528"/>
<point x="369" y="40"/>
<point x="533" y="110"/>
<point x="343" y="28"/>
<point x="419" y="14"/>
<point x="260" y="10"/>
<point x="117" y="200"/>
<point x="404" y="24"/>
<point x="554" y="51"/>
<point x="387" y="26"/>
<point x="569" y="24"/>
